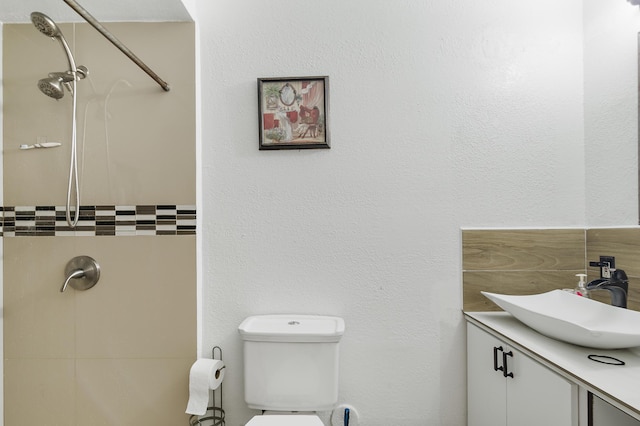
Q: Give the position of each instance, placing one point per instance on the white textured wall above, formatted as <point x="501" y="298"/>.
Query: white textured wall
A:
<point x="444" y="114"/>
<point x="611" y="111"/>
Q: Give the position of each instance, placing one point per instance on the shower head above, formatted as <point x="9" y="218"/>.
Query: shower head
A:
<point x="45" y="25"/>
<point x="52" y="87"/>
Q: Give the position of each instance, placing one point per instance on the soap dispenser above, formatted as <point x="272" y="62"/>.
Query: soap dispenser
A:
<point x="581" y="288"/>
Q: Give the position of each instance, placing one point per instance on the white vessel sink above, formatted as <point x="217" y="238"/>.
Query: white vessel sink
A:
<point x="574" y="319"/>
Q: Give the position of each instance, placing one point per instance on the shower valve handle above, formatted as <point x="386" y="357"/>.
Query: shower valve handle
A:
<point x="79" y="273"/>
<point x="82" y="273"/>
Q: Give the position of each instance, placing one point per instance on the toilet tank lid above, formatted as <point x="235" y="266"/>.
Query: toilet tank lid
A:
<point x="292" y="328"/>
<point x="285" y="420"/>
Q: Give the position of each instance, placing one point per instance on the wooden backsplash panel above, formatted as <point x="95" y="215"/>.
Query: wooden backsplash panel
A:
<point x="523" y="249"/>
<point x="623" y="243"/>
<point x="524" y="261"/>
<point x="510" y="282"/>
<point x="519" y="261"/>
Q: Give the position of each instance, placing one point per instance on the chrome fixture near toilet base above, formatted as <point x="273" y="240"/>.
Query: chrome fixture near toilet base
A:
<point x="82" y="273"/>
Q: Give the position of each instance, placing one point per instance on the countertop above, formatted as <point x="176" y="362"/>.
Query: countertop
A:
<point x="617" y="384"/>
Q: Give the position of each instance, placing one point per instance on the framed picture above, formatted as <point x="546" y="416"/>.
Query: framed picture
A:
<point x="294" y="112"/>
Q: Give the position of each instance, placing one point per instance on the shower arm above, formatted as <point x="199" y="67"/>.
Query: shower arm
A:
<point x="117" y="43"/>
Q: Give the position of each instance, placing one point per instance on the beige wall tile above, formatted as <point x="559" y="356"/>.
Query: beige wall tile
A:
<point x="144" y="304"/>
<point x="39" y="392"/>
<point x="139" y="321"/>
<point x="39" y="321"/>
<point x="137" y="141"/>
<point x="132" y="391"/>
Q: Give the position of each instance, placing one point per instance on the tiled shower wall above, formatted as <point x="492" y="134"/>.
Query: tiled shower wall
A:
<point x="529" y="261"/>
<point x="120" y="352"/>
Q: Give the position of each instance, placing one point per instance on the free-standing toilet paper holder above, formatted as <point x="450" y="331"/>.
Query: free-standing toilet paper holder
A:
<point x="215" y="414"/>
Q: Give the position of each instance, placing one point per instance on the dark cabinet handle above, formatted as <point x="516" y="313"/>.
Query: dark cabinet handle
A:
<point x="495" y="358"/>
<point x="505" y="364"/>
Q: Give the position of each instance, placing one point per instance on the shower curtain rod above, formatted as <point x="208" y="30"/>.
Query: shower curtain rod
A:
<point x="102" y="30"/>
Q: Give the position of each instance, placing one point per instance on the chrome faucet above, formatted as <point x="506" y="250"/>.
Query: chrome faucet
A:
<point x="617" y="285"/>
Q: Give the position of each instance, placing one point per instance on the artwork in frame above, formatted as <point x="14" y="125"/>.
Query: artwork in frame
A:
<point x="294" y="112"/>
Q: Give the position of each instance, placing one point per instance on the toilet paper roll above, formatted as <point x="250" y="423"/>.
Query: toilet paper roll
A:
<point x="205" y="374"/>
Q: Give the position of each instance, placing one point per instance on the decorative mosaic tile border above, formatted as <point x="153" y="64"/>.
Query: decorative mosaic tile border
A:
<point x="20" y="221"/>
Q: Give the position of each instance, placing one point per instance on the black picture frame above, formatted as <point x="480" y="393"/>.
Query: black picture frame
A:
<point x="293" y="113"/>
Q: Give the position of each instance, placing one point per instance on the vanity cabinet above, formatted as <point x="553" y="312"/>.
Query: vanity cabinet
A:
<point x="507" y="388"/>
<point x="604" y="414"/>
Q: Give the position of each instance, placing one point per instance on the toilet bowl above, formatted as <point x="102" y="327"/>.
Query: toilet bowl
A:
<point x="290" y="367"/>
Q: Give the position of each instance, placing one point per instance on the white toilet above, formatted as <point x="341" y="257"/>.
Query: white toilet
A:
<point x="290" y="367"/>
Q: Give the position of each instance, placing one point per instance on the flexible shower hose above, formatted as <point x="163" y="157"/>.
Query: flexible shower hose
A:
<point x="73" y="164"/>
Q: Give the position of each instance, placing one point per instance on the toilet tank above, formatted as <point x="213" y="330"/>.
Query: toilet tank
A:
<point x="291" y="361"/>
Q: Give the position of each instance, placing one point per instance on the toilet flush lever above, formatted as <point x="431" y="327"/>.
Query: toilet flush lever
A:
<point x="82" y="273"/>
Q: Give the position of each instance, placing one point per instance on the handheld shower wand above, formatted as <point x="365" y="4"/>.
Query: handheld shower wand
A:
<point x="48" y="27"/>
<point x="53" y="86"/>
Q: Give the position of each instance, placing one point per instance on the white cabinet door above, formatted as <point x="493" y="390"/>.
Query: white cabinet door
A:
<point x="486" y="388"/>
<point x="507" y="388"/>
<point x="538" y="396"/>
<point x="605" y="414"/>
